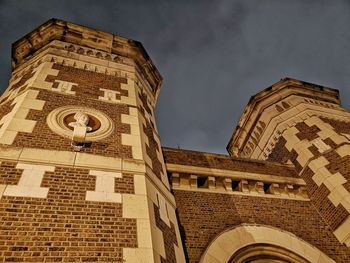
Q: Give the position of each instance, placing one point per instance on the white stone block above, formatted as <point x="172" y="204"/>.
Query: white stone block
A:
<point x="130" y="119"/>
<point x="104" y="189"/>
<point x="103" y="197"/>
<point x="131" y="140"/>
<point x="30" y="181"/>
<point x="140" y="184"/>
<point x="138" y="255"/>
<point x="2" y="189"/>
<point x="144" y="235"/>
<point x="163" y="210"/>
<point x="21" y="125"/>
<point x="135" y="206"/>
<point x="26" y="191"/>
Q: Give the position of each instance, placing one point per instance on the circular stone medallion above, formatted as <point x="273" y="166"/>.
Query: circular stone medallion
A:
<point x="58" y="121"/>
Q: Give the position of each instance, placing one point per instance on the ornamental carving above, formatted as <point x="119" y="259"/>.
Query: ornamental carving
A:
<point x="80" y="123"/>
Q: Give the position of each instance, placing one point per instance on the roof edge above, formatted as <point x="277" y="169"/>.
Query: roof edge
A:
<point x="300" y="87"/>
<point x="57" y="29"/>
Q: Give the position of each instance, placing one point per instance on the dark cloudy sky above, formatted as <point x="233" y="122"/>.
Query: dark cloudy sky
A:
<point x="213" y="55"/>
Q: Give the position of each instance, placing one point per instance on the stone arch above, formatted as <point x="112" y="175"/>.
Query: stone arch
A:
<point x="244" y="239"/>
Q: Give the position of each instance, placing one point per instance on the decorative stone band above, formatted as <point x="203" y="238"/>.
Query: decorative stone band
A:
<point x="277" y="127"/>
<point x="329" y="186"/>
<point x="231" y="241"/>
<point x="236" y="182"/>
<point x="273" y="123"/>
<point x="83" y="160"/>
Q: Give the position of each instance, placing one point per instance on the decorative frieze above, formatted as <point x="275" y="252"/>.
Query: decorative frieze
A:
<point x="220" y="184"/>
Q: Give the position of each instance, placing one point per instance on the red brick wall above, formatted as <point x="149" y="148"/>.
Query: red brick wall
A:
<point x="204" y="215"/>
<point x="63" y="227"/>
<point x="89" y="82"/>
<point x="43" y="137"/>
<point x="220" y="161"/>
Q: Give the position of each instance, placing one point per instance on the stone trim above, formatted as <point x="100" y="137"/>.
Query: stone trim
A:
<point x="332" y="182"/>
<point x="55" y="121"/>
<point x="104" y="189"/>
<point x="29" y="184"/>
<point x="187" y="169"/>
<point x="15" y="121"/>
<point x="227" y="243"/>
<point x="84" y="160"/>
<point x="261" y="102"/>
<point x="225" y="185"/>
<point x="268" y="140"/>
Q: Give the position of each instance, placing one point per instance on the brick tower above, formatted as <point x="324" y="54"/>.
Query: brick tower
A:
<point x="82" y="171"/>
<point x="303" y="124"/>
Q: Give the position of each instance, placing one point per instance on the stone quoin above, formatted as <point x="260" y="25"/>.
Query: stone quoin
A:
<point x="84" y="177"/>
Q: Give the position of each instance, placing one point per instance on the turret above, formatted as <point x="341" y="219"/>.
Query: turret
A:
<point x="79" y="137"/>
<point x="303" y="124"/>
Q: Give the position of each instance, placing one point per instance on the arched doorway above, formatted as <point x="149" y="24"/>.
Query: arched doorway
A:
<point x="266" y="253"/>
<point x="261" y="244"/>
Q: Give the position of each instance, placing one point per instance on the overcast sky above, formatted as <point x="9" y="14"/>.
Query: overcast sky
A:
<point x="213" y="55"/>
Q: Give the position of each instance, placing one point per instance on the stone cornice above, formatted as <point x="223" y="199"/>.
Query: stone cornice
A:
<point x="195" y="170"/>
<point x="270" y="96"/>
<point x="56" y="29"/>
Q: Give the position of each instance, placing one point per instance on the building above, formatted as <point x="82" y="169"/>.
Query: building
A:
<point x="83" y="176"/>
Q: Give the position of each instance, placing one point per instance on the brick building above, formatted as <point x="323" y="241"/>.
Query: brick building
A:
<point x="83" y="176"/>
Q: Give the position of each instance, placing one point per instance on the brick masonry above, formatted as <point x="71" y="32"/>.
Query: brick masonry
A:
<point x="63" y="227"/>
<point x="333" y="215"/>
<point x="43" y="137"/>
<point x="169" y="237"/>
<point x="88" y="83"/>
<point x="339" y="126"/>
<point x="149" y="129"/>
<point x="220" y="161"/>
<point x="205" y="215"/>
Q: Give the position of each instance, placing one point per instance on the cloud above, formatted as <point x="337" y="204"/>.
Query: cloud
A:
<point x="213" y="55"/>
